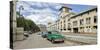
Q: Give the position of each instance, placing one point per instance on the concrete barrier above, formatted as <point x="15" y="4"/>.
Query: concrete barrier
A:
<point x="20" y="33"/>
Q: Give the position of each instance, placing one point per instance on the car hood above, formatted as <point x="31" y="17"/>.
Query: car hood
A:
<point x="56" y="36"/>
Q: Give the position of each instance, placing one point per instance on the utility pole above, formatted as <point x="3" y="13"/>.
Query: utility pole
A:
<point x="20" y="8"/>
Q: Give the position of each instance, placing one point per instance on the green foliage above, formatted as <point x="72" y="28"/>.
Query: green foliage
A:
<point x="28" y="25"/>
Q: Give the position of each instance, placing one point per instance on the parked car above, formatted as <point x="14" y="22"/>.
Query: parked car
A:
<point x="44" y="34"/>
<point x="55" y="36"/>
<point x="30" y="32"/>
<point x="39" y="33"/>
<point x="26" y="34"/>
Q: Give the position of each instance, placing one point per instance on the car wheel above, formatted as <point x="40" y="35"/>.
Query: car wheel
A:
<point x="52" y="41"/>
<point x="47" y="39"/>
<point x="63" y="41"/>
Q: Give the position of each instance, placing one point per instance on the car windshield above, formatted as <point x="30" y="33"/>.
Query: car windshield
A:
<point x="44" y="32"/>
<point x="53" y="32"/>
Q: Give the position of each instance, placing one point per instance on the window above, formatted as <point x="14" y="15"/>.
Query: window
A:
<point x="88" y="20"/>
<point x="61" y="26"/>
<point x="65" y="29"/>
<point x="61" y="16"/>
<point x="95" y="19"/>
<point x="74" y="23"/>
<point x="61" y="22"/>
<point x="61" y="29"/>
<point x="64" y="21"/>
<point x="64" y="26"/>
<point x="95" y="27"/>
<point x="88" y="27"/>
<point x="68" y="19"/>
<point x="69" y="25"/>
<point x="81" y="22"/>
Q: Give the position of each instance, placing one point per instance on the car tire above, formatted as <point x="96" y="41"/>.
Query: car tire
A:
<point x="48" y="39"/>
<point x="52" y="41"/>
<point x="63" y="41"/>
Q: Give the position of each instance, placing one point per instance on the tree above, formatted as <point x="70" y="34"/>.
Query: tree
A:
<point x="27" y="24"/>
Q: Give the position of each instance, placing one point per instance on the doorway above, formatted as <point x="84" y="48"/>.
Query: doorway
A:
<point x="75" y="30"/>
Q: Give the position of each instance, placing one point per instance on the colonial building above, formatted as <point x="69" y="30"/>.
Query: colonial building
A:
<point x="52" y="26"/>
<point x="84" y="22"/>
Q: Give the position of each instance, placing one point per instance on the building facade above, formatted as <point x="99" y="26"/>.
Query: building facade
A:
<point x="84" y="22"/>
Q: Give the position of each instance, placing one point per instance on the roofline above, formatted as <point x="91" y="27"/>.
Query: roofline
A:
<point x="65" y="7"/>
<point x="84" y="12"/>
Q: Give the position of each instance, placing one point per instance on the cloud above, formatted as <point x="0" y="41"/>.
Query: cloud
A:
<point x="41" y="19"/>
<point x="42" y="13"/>
<point x="38" y="7"/>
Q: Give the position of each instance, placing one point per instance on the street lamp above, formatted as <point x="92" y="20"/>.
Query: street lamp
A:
<point x="20" y="8"/>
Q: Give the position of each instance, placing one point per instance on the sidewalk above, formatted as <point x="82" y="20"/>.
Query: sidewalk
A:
<point x="85" y="38"/>
<point x="79" y="34"/>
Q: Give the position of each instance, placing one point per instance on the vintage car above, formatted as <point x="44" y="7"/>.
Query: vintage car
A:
<point x="44" y="34"/>
<point x="26" y="34"/>
<point x="55" y="36"/>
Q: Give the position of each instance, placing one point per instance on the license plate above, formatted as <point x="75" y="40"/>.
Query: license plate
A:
<point x="58" y="39"/>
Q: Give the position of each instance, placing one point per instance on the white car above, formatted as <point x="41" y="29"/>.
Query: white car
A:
<point x="26" y="34"/>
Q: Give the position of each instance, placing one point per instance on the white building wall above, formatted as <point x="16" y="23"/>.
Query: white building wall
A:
<point x="81" y="28"/>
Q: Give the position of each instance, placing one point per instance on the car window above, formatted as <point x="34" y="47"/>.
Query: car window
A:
<point x="44" y="32"/>
<point x="49" y="32"/>
<point x="54" y="32"/>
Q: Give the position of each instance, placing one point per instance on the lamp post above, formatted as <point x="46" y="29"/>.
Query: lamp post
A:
<point x="20" y="8"/>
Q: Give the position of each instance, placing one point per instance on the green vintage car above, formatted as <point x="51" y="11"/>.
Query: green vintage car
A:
<point x="55" y="36"/>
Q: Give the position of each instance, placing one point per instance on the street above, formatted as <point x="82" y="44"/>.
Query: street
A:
<point x="36" y="41"/>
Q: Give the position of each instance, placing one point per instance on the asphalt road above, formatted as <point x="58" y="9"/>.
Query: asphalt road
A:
<point x="36" y="41"/>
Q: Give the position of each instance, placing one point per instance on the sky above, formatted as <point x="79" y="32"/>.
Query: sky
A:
<point x="42" y="12"/>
